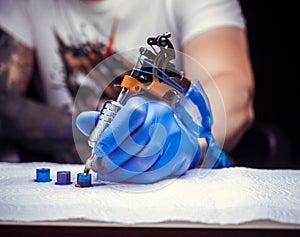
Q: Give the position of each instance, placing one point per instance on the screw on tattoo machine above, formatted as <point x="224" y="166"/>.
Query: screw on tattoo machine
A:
<point x="153" y="75"/>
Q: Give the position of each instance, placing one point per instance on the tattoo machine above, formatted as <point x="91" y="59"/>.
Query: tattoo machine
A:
<point x="153" y="75"/>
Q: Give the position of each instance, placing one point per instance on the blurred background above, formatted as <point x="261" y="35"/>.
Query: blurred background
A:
<point x="272" y="142"/>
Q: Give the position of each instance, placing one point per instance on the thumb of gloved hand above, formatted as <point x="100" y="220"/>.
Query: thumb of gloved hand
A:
<point x="86" y="121"/>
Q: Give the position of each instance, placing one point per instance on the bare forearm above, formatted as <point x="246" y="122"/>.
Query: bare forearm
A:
<point x="238" y="104"/>
<point x="223" y="52"/>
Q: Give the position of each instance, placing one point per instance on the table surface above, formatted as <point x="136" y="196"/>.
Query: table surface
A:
<point x="286" y="184"/>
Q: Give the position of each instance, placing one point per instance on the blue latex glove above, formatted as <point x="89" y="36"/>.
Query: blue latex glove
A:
<point x="214" y="157"/>
<point x="144" y="143"/>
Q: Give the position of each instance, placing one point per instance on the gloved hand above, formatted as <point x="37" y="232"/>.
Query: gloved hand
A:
<point x="144" y="143"/>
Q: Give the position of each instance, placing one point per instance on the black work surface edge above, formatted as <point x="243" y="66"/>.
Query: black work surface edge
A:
<point x="77" y="228"/>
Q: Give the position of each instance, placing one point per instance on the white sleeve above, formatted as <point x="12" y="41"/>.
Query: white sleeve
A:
<point x="194" y="17"/>
<point x="15" y="20"/>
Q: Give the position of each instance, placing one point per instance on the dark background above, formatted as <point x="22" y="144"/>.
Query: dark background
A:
<point x="272" y="142"/>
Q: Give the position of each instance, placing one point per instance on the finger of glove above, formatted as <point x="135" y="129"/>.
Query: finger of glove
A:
<point x="130" y="169"/>
<point x="175" y="160"/>
<point x="163" y="168"/>
<point x="86" y="121"/>
<point x="183" y="149"/>
<point x="113" y="160"/>
<point x="173" y="168"/>
<point x="123" y="126"/>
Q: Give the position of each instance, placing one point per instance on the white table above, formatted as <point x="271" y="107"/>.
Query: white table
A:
<point x="239" y="200"/>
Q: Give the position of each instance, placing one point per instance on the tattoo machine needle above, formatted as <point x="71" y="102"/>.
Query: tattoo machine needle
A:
<point x="107" y="114"/>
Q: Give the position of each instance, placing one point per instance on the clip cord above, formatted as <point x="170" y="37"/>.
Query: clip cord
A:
<point x="163" y="79"/>
<point x="170" y="81"/>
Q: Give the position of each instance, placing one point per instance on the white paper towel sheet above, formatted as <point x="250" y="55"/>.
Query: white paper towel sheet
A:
<point x="225" y="196"/>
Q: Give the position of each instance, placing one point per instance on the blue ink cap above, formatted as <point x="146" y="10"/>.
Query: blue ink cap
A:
<point x="84" y="180"/>
<point x="42" y="175"/>
<point x="63" y="177"/>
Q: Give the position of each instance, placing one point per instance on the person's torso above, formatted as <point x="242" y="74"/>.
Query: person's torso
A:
<point x="72" y="37"/>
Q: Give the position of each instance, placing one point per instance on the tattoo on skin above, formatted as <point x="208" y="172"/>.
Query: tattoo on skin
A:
<point x="16" y="62"/>
<point x="28" y="122"/>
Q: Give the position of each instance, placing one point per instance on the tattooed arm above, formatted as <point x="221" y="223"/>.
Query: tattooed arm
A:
<point x="16" y="64"/>
<point x="24" y="122"/>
